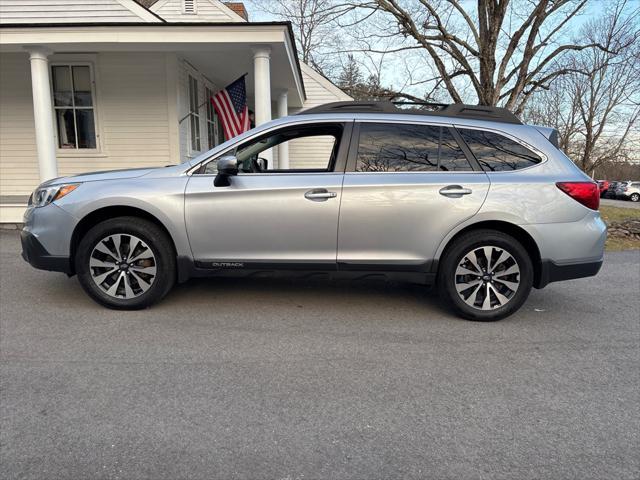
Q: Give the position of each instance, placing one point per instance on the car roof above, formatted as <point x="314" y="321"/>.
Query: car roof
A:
<point x="455" y="110"/>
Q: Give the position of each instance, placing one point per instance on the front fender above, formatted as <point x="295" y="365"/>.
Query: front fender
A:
<point x="163" y="198"/>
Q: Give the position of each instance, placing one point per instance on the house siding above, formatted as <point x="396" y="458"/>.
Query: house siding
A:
<point x="64" y="11"/>
<point x="132" y="115"/>
<point x="206" y="11"/>
<point x="18" y="160"/>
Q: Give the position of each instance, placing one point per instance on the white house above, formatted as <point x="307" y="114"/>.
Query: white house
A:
<point x="105" y="84"/>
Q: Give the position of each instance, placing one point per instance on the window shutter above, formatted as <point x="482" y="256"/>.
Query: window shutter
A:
<point x="189" y="6"/>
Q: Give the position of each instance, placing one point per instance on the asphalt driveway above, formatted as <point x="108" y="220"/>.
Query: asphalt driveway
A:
<point x="300" y="380"/>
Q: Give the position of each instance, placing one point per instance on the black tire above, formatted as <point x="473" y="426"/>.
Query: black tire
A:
<point x="454" y="256"/>
<point x="156" y="240"/>
<point x="635" y="197"/>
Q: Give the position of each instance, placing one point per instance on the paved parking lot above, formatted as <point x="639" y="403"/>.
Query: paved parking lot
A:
<point x="298" y="380"/>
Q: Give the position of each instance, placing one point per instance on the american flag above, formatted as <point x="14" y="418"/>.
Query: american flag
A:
<point x="231" y="106"/>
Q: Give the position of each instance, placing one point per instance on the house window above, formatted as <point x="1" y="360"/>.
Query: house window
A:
<point x="74" y="107"/>
<point x="189" y="7"/>
<point x="215" y="135"/>
<point x="194" y="115"/>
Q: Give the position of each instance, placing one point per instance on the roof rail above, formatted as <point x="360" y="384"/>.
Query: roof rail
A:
<point x="476" y="112"/>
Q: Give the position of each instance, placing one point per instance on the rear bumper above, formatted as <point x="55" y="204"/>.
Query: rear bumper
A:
<point x="552" y="272"/>
<point x="34" y="253"/>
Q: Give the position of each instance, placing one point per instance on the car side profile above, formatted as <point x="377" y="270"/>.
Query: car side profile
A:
<point x="628" y="191"/>
<point x="464" y="197"/>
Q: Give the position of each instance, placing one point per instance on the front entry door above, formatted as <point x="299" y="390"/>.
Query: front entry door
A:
<point x="271" y="218"/>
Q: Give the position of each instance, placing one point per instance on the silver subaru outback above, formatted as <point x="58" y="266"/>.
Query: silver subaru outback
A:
<point x="464" y="197"/>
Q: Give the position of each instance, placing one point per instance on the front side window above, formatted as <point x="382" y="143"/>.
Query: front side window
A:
<point x="73" y="105"/>
<point x="391" y="147"/>
<point x="194" y="115"/>
<point x="312" y="148"/>
<point x="497" y="153"/>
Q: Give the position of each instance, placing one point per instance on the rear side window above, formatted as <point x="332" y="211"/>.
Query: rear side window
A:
<point x="396" y="147"/>
<point x="497" y="153"/>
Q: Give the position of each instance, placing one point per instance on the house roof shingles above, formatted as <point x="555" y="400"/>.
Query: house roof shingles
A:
<point x="238" y="7"/>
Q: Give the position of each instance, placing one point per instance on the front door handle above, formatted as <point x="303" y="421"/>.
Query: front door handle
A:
<point x="319" y="195"/>
<point x="454" y="191"/>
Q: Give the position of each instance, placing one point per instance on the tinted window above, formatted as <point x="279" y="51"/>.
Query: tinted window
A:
<point x="497" y="153"/>
<point x="408" y="148"/>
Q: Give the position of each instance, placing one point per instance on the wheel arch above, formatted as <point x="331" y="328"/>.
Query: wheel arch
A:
<point x="509" y="228"/>
<point x="105" y="213"/>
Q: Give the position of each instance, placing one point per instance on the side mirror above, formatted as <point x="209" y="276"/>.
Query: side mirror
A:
<point x="227" y="167"/>
<point x="263" y="164"/>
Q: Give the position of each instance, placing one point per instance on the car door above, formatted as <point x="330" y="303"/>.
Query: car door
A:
<point x="272" y="218"/>
<point x="406" y="186"/>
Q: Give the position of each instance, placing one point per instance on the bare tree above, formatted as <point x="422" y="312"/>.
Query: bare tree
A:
<point x="505" y="49"/>
<point x="596" y="108"/>
<point x="313" y="26"/>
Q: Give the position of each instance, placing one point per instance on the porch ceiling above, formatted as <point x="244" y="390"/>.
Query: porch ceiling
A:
<point x="222" y="65"/>
<point x="223" y="51"/>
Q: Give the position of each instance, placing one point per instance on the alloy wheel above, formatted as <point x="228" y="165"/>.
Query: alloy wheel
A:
<point x="122" y="266"/>
<point x="487" y="277"/>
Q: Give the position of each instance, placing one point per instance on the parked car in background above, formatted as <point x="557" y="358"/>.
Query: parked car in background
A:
<point x="466" y="197"/>
<point x="603" y="185"/>
<point x="611" y="190"/>
<point x="628" y="191"/>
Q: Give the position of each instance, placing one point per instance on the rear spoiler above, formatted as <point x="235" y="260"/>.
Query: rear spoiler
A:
<point x="550" y="134"/>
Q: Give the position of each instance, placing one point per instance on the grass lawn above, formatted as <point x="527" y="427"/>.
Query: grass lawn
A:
<point x="617" y="214"/>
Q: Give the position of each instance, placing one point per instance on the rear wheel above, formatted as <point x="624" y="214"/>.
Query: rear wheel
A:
<point x="635" y="197"/>
<point x="126" y="263"/>
<point x="486" y="275"/>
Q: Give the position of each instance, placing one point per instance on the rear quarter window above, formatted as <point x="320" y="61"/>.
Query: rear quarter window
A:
<point x="497" y="153"/>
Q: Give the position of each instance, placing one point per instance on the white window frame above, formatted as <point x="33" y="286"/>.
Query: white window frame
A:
<point x="75" y="152"/>
<point x="209" y="92"/>
<point x="195" y="134"/>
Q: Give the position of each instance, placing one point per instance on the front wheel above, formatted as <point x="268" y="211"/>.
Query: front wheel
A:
<point x="126" y="263"/>
<point x="485" y="275"/>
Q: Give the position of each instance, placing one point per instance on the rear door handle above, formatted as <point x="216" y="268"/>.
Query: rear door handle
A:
<point x="319" y="195"/>
<point x="455" y="191"/>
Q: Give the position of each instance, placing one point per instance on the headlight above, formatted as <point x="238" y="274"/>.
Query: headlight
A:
<point x="45" y="195"/>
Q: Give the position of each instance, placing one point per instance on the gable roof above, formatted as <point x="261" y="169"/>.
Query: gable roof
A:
<point x="80" y="11"/>
<point x="205" y="11"/>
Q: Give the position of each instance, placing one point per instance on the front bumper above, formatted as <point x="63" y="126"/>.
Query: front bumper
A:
<point x="34" y="253"/>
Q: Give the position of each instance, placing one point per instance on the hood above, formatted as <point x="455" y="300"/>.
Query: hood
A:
<point x="104" y="175"/>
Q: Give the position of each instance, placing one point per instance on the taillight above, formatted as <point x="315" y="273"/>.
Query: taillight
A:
<point x="584" y="192"/>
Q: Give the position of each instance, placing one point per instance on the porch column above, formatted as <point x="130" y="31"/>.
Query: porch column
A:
<point x="262" y="90"/>
<point x="283" y="149"/>
<point x="43" y="113"/>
